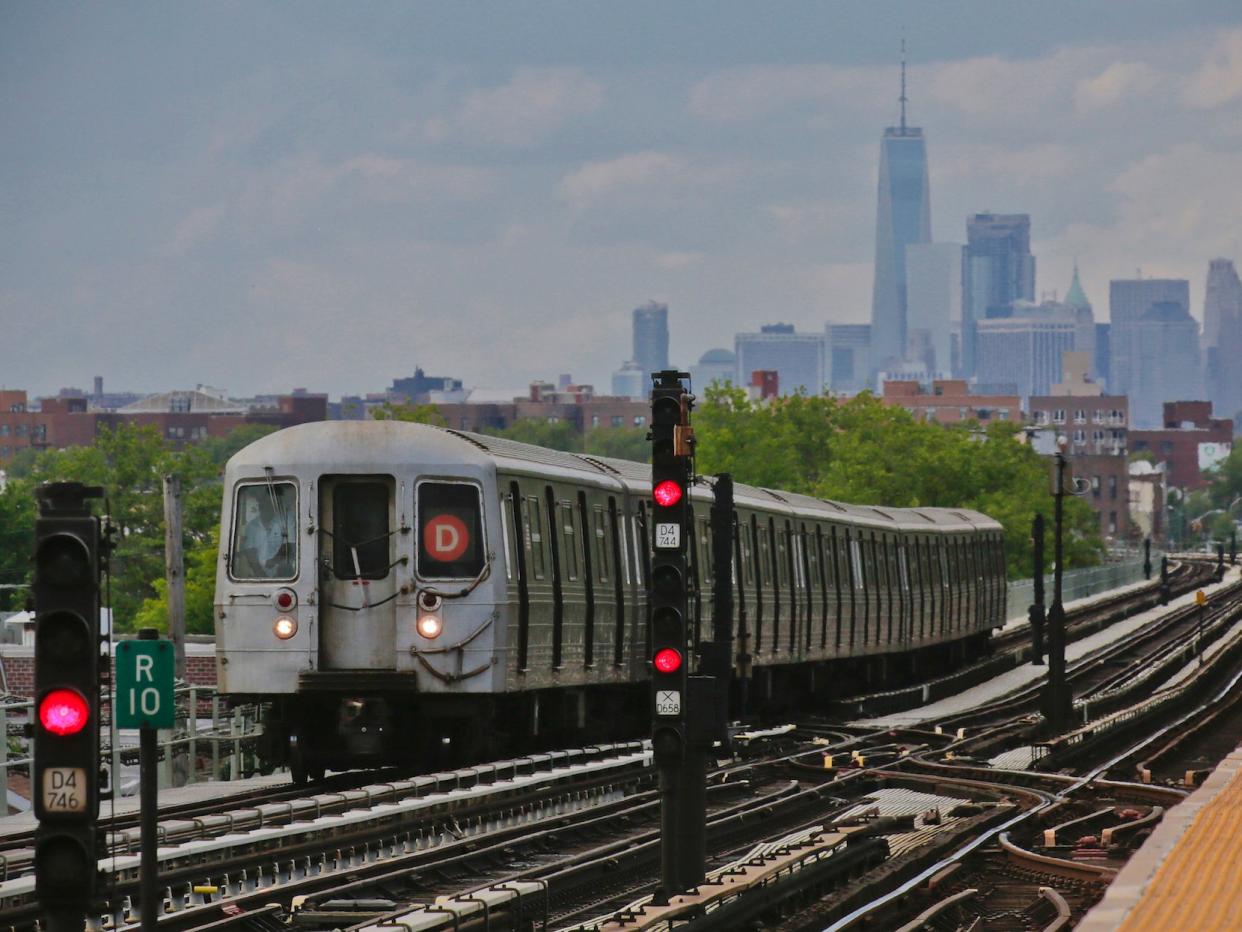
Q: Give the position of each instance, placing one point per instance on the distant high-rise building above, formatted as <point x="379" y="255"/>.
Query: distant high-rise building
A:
<point x="1102" y="358"/>
<point x="933" y="303"/>
<point x="716" y="365"/>
<point x="848" y="355"/>
<point x="1129" y="300"/>
<point x="1162" y="360"/>
<point x="903" y="216"/>
<point x="1222" y="336"/>
<point x="1022" y="352"/>
<point x="999" y="270"/>
<point x="651" y="337"/>
<point x="797" y="358"/>
<point x="630" y="381"/>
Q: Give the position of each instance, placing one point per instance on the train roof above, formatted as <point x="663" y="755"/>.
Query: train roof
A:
<point x="367" y="445"/>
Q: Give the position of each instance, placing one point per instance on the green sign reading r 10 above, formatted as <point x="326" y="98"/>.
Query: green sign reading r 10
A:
<point x="144" y="684"/>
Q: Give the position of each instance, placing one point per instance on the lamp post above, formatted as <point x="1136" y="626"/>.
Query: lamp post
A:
<point x="1058" y="700"/>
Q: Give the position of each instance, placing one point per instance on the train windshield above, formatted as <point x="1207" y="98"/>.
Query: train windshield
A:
<point x="450" y="531"/>
<point x="265" y="532"/>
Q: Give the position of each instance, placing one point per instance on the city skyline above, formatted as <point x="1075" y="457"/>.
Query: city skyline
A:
<point x="497" y="208"/>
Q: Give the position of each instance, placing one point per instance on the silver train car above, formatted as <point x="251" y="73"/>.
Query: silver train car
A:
<point x="398" y="592"/>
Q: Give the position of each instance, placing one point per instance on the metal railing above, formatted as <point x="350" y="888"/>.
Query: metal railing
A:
<point x="211" y="741"/>
<point x="1080" y="583"/>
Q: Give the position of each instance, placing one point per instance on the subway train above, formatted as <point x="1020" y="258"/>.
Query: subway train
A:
<point x="403" y="593"/>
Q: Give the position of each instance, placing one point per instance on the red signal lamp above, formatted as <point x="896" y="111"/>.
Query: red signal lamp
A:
<point x="64" y="712"/>
<point x="667" y="660"/>
<point x="667" y="493"/>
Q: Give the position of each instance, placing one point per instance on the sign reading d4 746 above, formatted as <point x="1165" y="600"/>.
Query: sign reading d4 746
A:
<point x="144" y="684"/>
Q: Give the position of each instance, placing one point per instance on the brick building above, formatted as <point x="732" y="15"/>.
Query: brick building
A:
<point x="1096" y="429"/>
<point x="951" y="402"/>
<point x="67" y="420"/>
<point x="577" y="405"/>
<point x="1190" y="442"/>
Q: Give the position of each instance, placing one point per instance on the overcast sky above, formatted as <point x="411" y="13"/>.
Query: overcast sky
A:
<point x="259" y="196"/>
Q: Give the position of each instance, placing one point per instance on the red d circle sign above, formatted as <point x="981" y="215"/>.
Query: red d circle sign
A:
<point x="445" y="538"/>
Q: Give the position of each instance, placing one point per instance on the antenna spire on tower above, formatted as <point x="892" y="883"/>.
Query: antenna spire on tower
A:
<point x="903" y="85"/>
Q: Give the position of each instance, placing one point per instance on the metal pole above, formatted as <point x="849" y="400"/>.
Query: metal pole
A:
<point x="1037" y="612"/>
<point x="148" y="781"/>
<point x="1147" y="558"/>
<point x="1233" y="547"/>
<point x="174" y="571"/>
<point x="1202" y="610"/>
<point x="1059" y="699"/>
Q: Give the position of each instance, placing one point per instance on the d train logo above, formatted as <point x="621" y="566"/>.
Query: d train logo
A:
<point x="445" y="538"/>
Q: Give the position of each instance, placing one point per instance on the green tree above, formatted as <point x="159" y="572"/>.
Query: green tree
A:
<point x="200" y="588"/>
<point x="417" y="414"/>
<point x="862" y="451"/>
<point x="557" y="435"/>
<point x="623" y="443"/>
<point x="17" y="517"/>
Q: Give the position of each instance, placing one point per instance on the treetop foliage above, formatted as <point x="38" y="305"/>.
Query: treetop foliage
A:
<point x="862" y="451"/>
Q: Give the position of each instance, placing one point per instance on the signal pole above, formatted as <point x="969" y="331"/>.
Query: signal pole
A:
<point x="1036" y="613"/>
<point x="679" y="753"/>
<point x="65" y="775"/>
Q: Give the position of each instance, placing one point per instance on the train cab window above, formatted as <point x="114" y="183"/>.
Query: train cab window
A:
<point x="538" y="550"/>
<point x="360" y="548"/>
<point x="450" y="530"/>
<point x="265" y="532"/>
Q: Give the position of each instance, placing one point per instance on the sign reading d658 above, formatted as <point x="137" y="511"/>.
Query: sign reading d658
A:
<point x="144" y="684"/>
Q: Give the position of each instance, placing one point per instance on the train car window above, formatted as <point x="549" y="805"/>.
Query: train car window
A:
<point x="615" y="528"/>
<point x="780" y="556"/>
<point x="450" y="530"/>
<point x="505" y="505"/>
<point x="519" y="531"/>
<point x="623" y="548"/>
<point x="705" y="550"/>
<point x="748" y="570"/>
<point x="584" y="541"/>
<point x="534" y="521"/>
<point x="265" y="531"/>
<point x="601" y="545"/>
<point x="360" y="548"/>
<point x="569" y="540"/>
<point x="558" y="596"/>
<point x="856" y="563"/>
<point x="637" y="536"/>
<point x="902" y="568"/>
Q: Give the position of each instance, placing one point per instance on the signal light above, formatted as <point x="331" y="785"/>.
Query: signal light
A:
<point x="667" y="660"/>
<point x="64" y="712"/>
<point x="667" y="493"/>
<point x="286" y="599"/>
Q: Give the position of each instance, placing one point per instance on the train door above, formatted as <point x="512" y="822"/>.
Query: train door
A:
<point x="357" y="585"/>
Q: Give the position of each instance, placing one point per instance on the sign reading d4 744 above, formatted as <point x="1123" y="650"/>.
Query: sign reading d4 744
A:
<point x="144" y="684"/>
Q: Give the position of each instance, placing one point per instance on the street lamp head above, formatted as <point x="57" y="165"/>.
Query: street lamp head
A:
<point x="1062" y="442"/>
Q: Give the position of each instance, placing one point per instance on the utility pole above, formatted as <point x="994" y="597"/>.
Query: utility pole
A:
<point x="174" y="570"/>
<point x="1059" y="700"/>
<point x="1036" y="614"/>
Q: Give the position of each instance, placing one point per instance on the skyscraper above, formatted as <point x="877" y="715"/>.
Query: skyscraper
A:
<point x="848" y="357"/>
<point x="1162" y="348"/>
<point x="651" y="338"/>
<point x="1222" y="336"/>
<point x="903" y="216"/>
<point x="934" y="303"/>
<point x="798" y="358"/>
<point x="999" y="271"/>
<point x="1129" y="300"/>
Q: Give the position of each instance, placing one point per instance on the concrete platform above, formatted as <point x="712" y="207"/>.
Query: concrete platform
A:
<point x="1027" y="674"/>
<point x="1187" y="875"/>
<point x="1076" y="604"/>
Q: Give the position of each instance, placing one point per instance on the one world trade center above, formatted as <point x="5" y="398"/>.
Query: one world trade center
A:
<point x="903" y="216"/>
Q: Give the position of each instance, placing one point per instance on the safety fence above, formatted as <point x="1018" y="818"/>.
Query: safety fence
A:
<point x="211" y="741"/>
<point x="1080" y="583"/>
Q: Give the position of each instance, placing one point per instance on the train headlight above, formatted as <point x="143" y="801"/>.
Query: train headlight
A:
<point x="285" y="627"/>
<point x="430" y="626"/>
